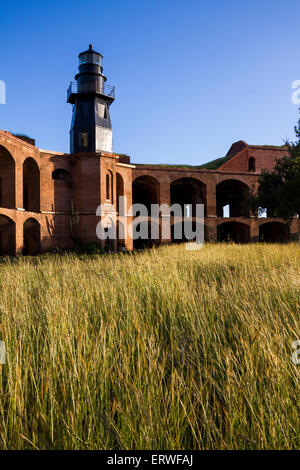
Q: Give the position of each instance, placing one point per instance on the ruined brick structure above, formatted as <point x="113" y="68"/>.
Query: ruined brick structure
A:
<point x="48" y="200"/>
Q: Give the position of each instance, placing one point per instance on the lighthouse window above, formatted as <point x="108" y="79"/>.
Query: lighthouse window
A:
<point x="96" y="59"/>
<point x="89" y="59"/>
<point x="82" y="59"/>
<point x="101" y="110"/>
<point x="83" y="139"/>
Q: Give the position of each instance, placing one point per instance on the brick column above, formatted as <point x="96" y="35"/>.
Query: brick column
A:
<point x="254" y="231"/>
<point x="211" y="227"/>
<point x="128" y="242"/>
<point x="19" y="184"/>
<point x="211" y="210"/>
<point x="211" y="202"/>
<point x="19" y="236"/>
<point x="165" y="198"/>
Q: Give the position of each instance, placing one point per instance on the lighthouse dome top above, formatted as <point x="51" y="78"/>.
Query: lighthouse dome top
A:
<point x="90" y="56"/>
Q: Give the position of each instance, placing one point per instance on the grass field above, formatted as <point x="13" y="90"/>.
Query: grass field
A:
<point x="162" y="349"/>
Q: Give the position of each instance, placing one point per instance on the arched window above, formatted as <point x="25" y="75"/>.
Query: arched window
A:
<point x="60" y="175"/>
<point x="251" y="164"/>
<point x="109" y="186"/>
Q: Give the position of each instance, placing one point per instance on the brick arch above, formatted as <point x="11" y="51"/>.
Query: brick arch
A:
<point x="7" y="236"/>
<point x="7" y="179"/>
<point x="146" y="177"/>
<point x="237" y="220"/>
<point x="31" y="237"/>
<point x="26" y="156"/>
<point x="188" y="190"/>
<point x="146" y="190"/>
<point x="274" y="232"/>
<point x="235" y="193"/>
<point x="233" y="231"/>
<point x="31" y="185"/>
<point x="245" y="179"/>
<point x="190" y="175"/>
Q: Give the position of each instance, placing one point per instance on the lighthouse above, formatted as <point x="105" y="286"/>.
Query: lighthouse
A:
<point x="91" y="97"/>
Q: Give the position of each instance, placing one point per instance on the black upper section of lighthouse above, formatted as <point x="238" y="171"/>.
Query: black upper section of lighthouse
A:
<point x="91" y="97"/>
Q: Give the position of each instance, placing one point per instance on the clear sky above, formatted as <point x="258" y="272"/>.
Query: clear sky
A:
<point x="191" y="76"/>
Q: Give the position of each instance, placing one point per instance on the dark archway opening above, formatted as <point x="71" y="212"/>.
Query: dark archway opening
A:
<point x="274" y="232"/>
<point x="31" y="186"/>
<point x="32" y="237"/>
<point x="188" y="191"/>
<point x="145" y="190"/>
<point x="149" y="242"/>
<point x="7" y="236"/>
<point x="7" y="179"/>
<point x="233" y="232"/>
<point x="235" y="194"/>
<point x="178" y="235"/>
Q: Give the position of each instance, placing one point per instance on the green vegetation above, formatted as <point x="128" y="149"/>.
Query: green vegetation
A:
<point x="213" y="165"/>
<point x="279" y="188"/>
<point x="162" y="349"/>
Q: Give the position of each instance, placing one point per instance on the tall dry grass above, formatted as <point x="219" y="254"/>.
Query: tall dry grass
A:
<point x="163" y="349"/>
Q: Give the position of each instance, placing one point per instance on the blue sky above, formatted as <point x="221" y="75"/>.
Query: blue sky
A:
<point x="191" y="76"/>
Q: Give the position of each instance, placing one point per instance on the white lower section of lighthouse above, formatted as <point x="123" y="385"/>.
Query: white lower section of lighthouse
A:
<point x="104" y="140"/>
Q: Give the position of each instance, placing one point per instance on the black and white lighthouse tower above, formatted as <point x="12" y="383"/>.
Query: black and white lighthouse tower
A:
<point x="91" y="97"/>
